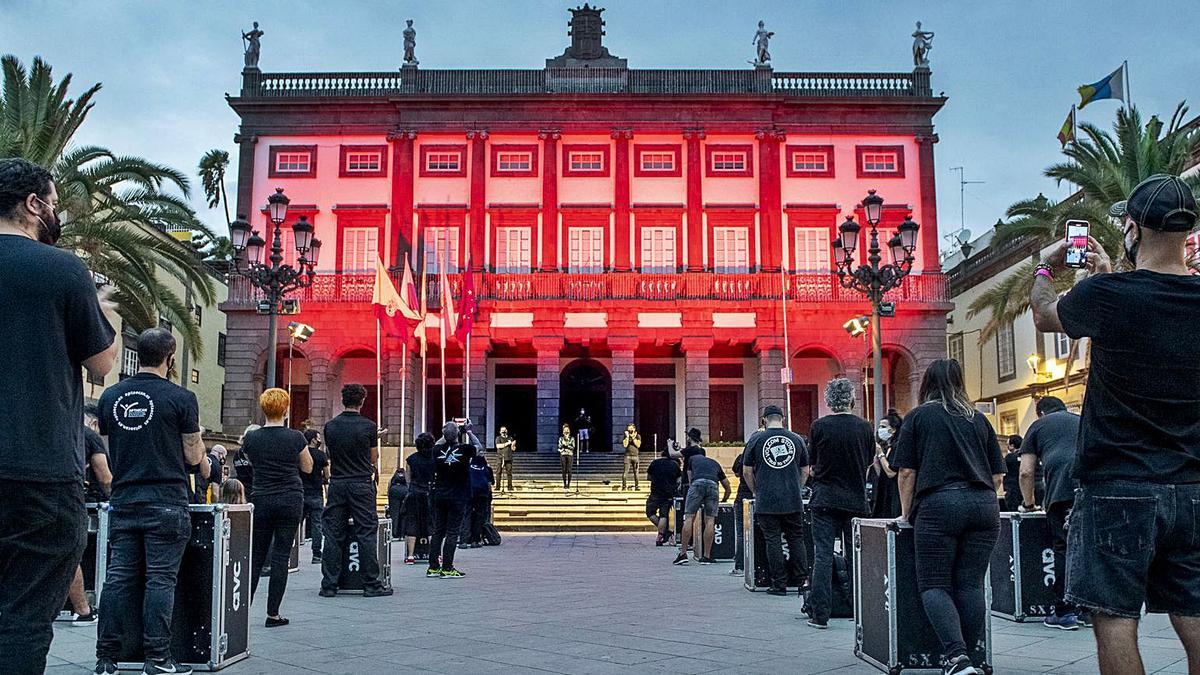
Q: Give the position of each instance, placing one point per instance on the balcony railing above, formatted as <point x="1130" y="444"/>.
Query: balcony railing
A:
<point x="257" y="84"/>
<point x="542" y="286"/>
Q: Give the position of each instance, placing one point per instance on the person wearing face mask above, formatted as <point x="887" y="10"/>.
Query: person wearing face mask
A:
<point x="887" y="492"/>
<point x="56" y="325"/>
<point x="1133" y="527"/>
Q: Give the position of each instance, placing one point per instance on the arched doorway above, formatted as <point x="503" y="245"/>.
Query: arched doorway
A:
<point x="293" y="370"/>
<point x="356" y="366"/>
<point x="585" y="384"/>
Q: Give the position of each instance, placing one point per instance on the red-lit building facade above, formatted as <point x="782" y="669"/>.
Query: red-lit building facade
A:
<point x="630" y="233"/>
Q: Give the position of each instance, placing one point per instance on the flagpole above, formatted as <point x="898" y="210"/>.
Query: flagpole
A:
<point x="467" y="378"/>
<point x="445" y="323"/>
<point x="378" y="392"/>
<point x="403" y="399"/>
<point x="1128" y="98"/>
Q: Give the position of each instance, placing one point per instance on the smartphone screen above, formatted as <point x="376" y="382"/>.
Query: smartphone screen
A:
<point x="1077" y="242"/>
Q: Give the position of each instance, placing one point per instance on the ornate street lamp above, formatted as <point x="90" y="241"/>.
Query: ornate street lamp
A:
<point x="274" y="278"/>
<point x="873" y="278"/>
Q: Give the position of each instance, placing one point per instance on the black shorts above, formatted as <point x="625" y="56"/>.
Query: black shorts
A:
<point x="416" y="514"/>
<point x="658" y="506"/>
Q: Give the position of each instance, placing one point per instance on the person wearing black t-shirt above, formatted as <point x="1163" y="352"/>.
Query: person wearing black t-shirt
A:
<point x="704" y="474"/>
<point x="887" y="492"/>
<point x="153" y="431"/>
<point x="1051" y="443"/>
<point x="739" y="537"/>
<point x="775" y="465"/>
<point x="842" y="444"/>
<point x="55" y="327"/>
<point x="1132" y="540"/>
<point x="353" y="458"/>
<point x="950" y="468"/>
<point x="663" y="474"/>
<point x="280" y="456"/>
<point x="451" y="492"/>
<point x="396" y="494"/>
<point x="416" y="503"/>
<point x="243" y="470"/>
<point x="1012" y="474"/>
<point x="480" y="508"/>
<point x="314" y="491"/>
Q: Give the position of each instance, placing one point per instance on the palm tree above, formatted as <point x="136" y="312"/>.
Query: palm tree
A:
<point x="212" y="179"/>
<point x="1105" y="167"/>
<point x="116" y="209"/>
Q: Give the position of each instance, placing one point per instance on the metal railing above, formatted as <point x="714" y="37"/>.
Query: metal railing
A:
<point x="256" y="84"/>
<point x="537" y="286"/>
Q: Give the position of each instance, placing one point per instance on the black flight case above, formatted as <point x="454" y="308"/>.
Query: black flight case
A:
<point x="351" y="578"/>
<point x="892" y="632"/>
<point x="755" y="564"/>
<point x="1022" y="572"/>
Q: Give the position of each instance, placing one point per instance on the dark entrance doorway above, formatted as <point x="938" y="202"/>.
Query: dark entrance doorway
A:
<point x="654" y="414"/>
<point x="295" y="370"/>
<point x="725" y="413"/>
<point x="516" y="408"/>
<point x="804" y="408"/>
<point x="585" y="384"/>
<point x="435" y="417"/>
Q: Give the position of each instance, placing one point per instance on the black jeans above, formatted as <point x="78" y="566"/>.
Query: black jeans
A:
<point x="1056" y="517"/>
<point x="43" y="531"/>
<point x="481" y="510"/>
<point x="447" y="518"/>
<point x="350" y="499"/>
<point x="148" y="542"/>
<point x="776" y="528"/>
<point x="276" y="521"/>
<point x="827" y="526"/>
<point x="956" y="531"/>
<point x="314" y="509"/>
<point x="566" y="461"/>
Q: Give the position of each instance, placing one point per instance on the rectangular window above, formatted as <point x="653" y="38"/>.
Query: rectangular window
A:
<point x="513" y="250"/>
<point x="658" y="161"/>
<point x="509" y="162"/>
<point x="812" y="250"/>
<point x="359" y="162"/>
<point x="1006" y="353"/>
<point x="443" y="160"/>
<point x="880" y="161"/>
<point x="586" y="161"/>
<point x="441" y="242"/>
<point x="1008" y="423"/>
<point x="195" y="376"/>
<point x="221" y="345"/>
<point x="129" y="362"/>
<point x="292" y="162"/>
<point x="586" y="250"/>
<point x="731" y="250"/>
<point x="955" y="350"/>
<point x="360" y="249"/>
<point x="808" y="162"/>
<point x="1062" y="345"/>
<point x="198" y="310"/>
<point x="729" y="161"/>
<point x="658" y="250"/>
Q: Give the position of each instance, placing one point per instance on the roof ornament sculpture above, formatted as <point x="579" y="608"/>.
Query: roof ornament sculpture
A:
<point x="587" y="48"/>
<point x="410" y="45"/>
<point x="251" y="42"/>
<point x="762" y="40"/>
<point x="922" y="43"/>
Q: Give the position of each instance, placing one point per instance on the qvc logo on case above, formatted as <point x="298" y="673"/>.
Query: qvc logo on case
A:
<point x="237" y="585"/>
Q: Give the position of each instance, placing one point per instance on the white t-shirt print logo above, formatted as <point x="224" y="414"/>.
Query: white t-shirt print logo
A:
<point x="778" y="452"/>
<point x="133" y="410"/>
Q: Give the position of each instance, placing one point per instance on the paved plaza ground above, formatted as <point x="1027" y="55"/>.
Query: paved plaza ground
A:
<point x="583" y="603"/>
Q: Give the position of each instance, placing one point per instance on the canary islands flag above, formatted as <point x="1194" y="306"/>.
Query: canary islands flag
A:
<point x="1067" y="133"/>
<point x="1112" y="86"/>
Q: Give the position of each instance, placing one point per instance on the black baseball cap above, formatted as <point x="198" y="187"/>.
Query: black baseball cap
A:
<point x="772" y="410"/>
<point x="1163" y="202"/>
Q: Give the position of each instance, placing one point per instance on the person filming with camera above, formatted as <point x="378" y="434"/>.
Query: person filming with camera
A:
<point x="451" y="492"/>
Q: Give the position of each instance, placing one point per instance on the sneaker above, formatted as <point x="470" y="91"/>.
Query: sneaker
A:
<point x="960" y="665"/>
<point x="706" y="561"/>
<point x="451" y="573"/>
<point x="410" y="560"/>
<point x="327" y="593"/>
<point x="818" y="624"/>
<point x="275" y="623"/>
<point x="1064" y="622"/>
<point x="658" y="541"/>
<point x="1084" y="618"/>
<point x="737" y="572"/>
<point x="167" y="665"/>
<point x="777" y="591"/>
<point x="682" y="558"/>
<point x="105" y="667"/>
<point x="85" y="619"/>
<point x="464" y="545"/>
<point x="433" y="573"/>
<point x="377" y="592"/>
<point x="316" y="560"/>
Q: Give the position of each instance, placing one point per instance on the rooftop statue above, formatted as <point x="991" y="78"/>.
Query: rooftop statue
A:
<point x="762" y="39"/>
<point x="922" y="43"/>
<point x="253" y="46"/>
<point x="410" y="44"/>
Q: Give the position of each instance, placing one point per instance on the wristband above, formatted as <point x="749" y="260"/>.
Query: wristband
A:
<point x="1044" y="271"/>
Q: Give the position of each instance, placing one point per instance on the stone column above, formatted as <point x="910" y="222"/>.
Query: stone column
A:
<point x="696" y="377"/>
<point x="695" y="201"/>
<point x="477" y="405"/>
<point x="770" y="387"/>
<point x="622" y="349"/>
<point x="391" y="398"/>
<point x="928" y="182"/>
<point x="478" y="182"/>
<point x="549" y="242"/>
<point x="621" y="252"/>
<point x="243" y="376"/>
<point x="320" y="407"/>
<point x="548" y="350"/>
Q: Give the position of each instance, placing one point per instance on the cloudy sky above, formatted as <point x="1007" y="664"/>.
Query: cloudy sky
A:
<point x="1009" y="67"/>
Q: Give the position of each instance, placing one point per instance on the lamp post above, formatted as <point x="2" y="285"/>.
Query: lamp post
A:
<point x="873" y="278"/>
<point x="274" y="278"/>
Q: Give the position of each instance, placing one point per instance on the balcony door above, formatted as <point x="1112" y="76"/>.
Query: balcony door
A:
<point x="585" y="253"/>
<point x="360" y="249"/>
<point x="731" y="250"/>
<point x="658" y="250"/>
<point x="513" y="250"/>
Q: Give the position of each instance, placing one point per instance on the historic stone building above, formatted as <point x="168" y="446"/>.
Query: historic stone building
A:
<point x="630" y="233"/>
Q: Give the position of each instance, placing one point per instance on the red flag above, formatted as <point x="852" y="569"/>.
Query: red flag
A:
<point x="468" y="308"/>
<point x="386" y="303"/>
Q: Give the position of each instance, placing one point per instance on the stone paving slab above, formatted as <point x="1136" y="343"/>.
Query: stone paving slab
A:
<point x="586" y="604"/>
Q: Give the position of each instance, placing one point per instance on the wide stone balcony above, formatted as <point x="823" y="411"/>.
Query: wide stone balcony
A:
<point x="499" y="288"/>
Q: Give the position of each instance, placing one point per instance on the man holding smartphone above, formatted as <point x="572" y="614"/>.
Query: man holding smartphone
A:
<point x="1133" y="529"/>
